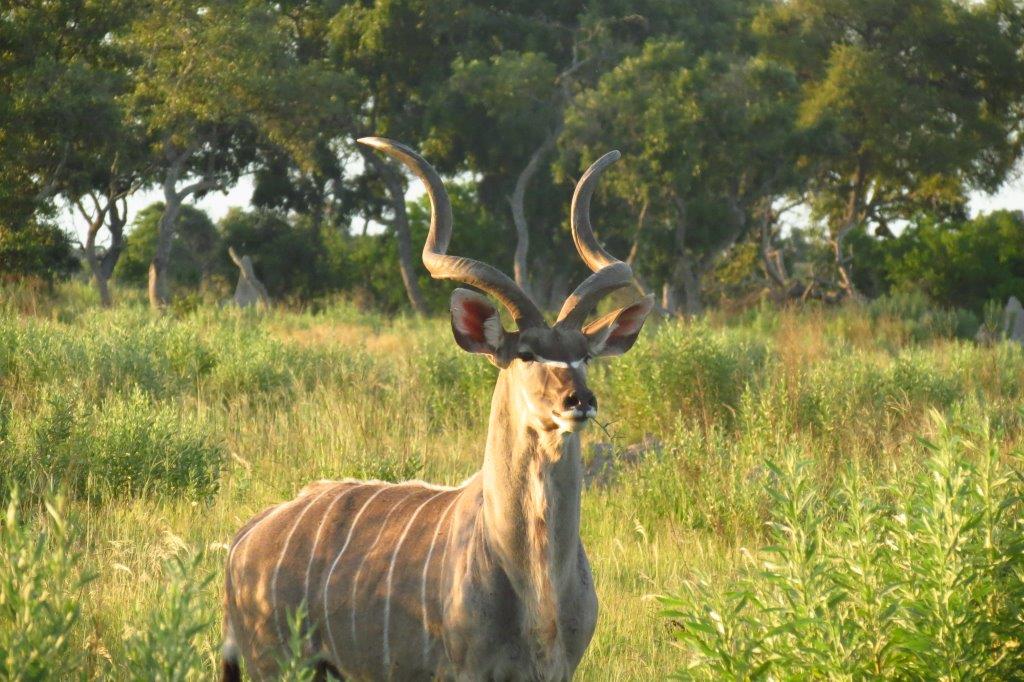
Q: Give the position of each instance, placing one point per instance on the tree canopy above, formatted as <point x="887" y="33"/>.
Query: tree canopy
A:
<point x="871" y="114"/>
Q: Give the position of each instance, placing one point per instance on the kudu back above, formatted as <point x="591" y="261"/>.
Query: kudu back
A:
<point x="485" y="581"/>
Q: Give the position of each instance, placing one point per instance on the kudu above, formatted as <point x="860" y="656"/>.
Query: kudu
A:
<point x="486" y="581"/>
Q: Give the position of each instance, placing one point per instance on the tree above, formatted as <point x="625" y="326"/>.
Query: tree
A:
<point x="276" y="245"/>
<point x="916" y="100"/>
<point x="195" y="247"/>
<point x="110" y="208"/>
<point x="710" y="144"/>
<point x="60" y="79"/>
<point x="40" y="250"/>
<point x="963" y="263"/>
<point x="520" y="97"/>
<point x="211" y="78"/>
<point x="315" y="184"/>
<point x="101" y="197"/>
<point x="503" y="110"/>
<point x="400" y="54"/>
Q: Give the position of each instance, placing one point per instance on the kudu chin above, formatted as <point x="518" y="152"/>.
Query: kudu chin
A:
<point x="485" y="581"/>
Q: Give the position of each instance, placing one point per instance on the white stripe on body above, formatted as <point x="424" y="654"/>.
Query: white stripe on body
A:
<point x="231" y="554"/>
<point x="327" y="580"/>
<point x="366" y="555"/>
<point x="423" y="583"/>
<point x="280" y="560"/>
<point x="272" y="512"/>
<point x="391" y="572"/>
<point x="319" y="530"/>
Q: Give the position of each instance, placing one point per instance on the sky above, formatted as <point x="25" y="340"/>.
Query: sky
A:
<point x="217" y="204"/>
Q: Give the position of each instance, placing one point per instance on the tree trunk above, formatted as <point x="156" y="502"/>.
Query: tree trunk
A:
<point x="159" y="288"/>
<point x="102" y="285"/>
<point x="688" y="278"/>
<point x="685" y="273"/>
<point x="159" y="285"/>
<point x="634" y="251"/>
<point x="396" y="193"/>
<point x="771" y="259"/>
<point x="518" y="203"/>
<point x="116" y="219"/>
<point x="842" y="262"/>
<point x="853" y="215"/>
<point x="634" y="248"/>
<point x="95" y="266"/>
<point x="101" y="269"/>
<point x="684" y="280"/>
<point x="668" y="298"/>
<point x="559" y="289"/>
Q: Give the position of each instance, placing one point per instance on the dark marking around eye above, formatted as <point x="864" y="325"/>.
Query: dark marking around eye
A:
<point x="526" y="356"/>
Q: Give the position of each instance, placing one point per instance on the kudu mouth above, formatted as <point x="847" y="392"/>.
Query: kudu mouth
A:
<point x="573" y="420"/>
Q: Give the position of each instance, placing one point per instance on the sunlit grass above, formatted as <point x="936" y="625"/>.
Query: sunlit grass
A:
<point x="164" y="434"/>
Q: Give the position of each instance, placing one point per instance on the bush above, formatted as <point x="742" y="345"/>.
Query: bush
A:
<point x="873" y="583"/>
<point x="168" y="646"/>
<point x="962" y="264"/>
<point x="680" y="368"/>
<point x="36" y="250"/>
<point x="193" y="247"/>
<point x="40" y="586"/>
<point x="924" y="322"/>
<point x="122" y="447"/>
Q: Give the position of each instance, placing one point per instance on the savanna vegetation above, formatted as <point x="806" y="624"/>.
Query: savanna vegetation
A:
<point x="809" y="466"/>
<point x="860" y="118"/>
<point x="811" y="492"/>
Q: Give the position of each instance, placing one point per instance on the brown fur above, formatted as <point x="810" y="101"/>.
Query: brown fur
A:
<point x="511" y="596"/>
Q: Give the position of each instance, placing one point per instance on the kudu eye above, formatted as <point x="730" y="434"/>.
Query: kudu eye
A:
<point x="526" y="356"/>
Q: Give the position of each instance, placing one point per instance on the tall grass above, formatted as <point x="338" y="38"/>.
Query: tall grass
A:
<point x="815" y="493"/>
<point x="874" y="581"/>
<point x="40" y="593"/>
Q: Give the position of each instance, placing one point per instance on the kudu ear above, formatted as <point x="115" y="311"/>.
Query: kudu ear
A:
<point x="616" y="332"/>
<point x="476" y="323"/>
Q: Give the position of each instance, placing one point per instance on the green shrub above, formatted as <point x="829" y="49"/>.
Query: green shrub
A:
<point x="924" y="321"/>
<point x="683" y="369"/>
<point x="122" y="447"/>
<point x="297" y="665"/>
<point x="449" y="379"/>
<point x="873" y="582"/>
<point x="106" y="353"/>
<point x="249" y="365"/>
<point x="859" y="389"/>
<point x="168" y="647"/>
<point x="37" y="249"/>
<point x="40" y="590"/>
<point x="961" y="263"/>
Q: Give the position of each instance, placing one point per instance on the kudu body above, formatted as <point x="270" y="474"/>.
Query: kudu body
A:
<point x="486" y="581"/>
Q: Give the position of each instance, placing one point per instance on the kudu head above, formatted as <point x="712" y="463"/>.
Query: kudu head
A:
<point x="547" y="364"/>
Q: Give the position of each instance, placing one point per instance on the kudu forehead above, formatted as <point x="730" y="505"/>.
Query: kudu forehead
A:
<point x="565" y="345"/>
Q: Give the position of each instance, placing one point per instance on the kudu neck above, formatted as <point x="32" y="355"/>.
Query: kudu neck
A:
<point x="532" y="480"/>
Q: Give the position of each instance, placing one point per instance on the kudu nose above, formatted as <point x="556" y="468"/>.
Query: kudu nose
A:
<point x="583" y="400"/>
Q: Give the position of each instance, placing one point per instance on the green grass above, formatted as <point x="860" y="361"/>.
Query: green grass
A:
<point x="821" y="493"/>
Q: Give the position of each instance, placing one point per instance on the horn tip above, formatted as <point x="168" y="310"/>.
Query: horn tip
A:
<point x="372" y="141"/>
<point x="606" y="160"/>
<point x="392" y="148"/>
